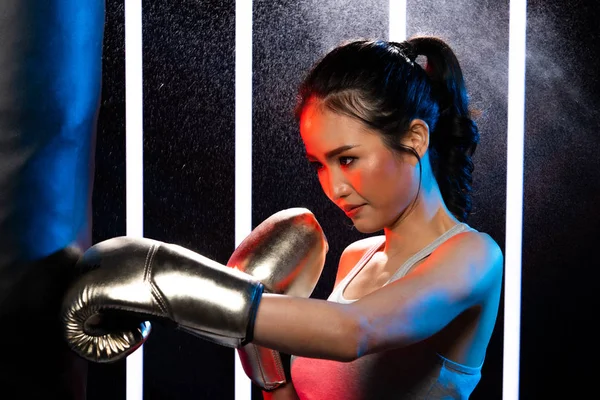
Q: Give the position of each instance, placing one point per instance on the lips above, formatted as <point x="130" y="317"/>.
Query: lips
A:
<point x="352" y="209"/>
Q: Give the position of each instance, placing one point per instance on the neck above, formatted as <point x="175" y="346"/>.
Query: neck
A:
<point x="424" y="222"/>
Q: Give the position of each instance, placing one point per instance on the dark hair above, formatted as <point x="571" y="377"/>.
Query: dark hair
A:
<point x="381" y="84"/>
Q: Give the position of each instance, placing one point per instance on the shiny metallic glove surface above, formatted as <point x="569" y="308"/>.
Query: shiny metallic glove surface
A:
<point x="286" y="252"/>
<point x="128" y="282"/>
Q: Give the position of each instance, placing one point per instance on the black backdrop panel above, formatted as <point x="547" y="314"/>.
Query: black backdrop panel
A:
<point x="562" y="193"/>
<point x="189" y="170"/>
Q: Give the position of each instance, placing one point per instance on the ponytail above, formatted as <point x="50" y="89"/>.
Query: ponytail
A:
<point x="455" y="136"/>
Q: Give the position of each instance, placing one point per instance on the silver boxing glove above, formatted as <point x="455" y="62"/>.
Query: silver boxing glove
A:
<point x="275" y="254"/>
<point x="106" y="313"/>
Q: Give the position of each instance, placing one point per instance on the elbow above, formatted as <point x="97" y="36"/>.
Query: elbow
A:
<point x="355" y="339"/>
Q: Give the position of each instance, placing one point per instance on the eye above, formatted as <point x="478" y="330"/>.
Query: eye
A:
<point x="345" y="161"/>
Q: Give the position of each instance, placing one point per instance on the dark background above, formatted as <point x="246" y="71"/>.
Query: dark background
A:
<point x="189" y="106"/>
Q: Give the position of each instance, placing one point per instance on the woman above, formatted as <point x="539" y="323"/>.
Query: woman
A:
<point x="412" y="311"/>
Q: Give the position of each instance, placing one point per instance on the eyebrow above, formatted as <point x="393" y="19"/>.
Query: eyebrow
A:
<point x="332" y="153"/>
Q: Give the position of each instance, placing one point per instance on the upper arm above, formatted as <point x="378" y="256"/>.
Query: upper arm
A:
<point x="352" y="255"/>
<point x="457" y="276"/>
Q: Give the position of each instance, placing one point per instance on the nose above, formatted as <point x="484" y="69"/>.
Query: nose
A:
<point x="336" y="186"/>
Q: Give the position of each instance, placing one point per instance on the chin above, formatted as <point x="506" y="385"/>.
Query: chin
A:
<point x="366" y="228"/>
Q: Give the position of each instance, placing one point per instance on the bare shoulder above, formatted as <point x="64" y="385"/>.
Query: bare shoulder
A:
<point x="477" y="246"/>
<point x="475" y="256"/>
<point x="353" y="253"/>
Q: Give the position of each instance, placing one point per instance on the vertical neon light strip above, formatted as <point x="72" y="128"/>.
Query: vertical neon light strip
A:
<point x="134" y="161"/>
<point x="243" y="150"/>
<point x="514" y="198"/>
<point x="397" y="21"/>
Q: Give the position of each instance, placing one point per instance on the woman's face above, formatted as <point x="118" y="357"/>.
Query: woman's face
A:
<point x="371" y="183"/>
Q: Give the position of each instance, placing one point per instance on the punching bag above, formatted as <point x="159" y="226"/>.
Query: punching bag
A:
<point x="50" y="85"/>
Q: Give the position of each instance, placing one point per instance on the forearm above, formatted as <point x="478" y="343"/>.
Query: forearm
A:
<point x="307" y="327"/>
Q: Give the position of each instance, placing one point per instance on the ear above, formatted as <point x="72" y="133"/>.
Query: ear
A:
<point x="417" y="136"/>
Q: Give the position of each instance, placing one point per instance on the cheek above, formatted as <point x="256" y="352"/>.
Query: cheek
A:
<point x="405" y="189"/>
<point x="357" y="179"/>
<point x="389" y="185"/>
<point x="379" y="175"/>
